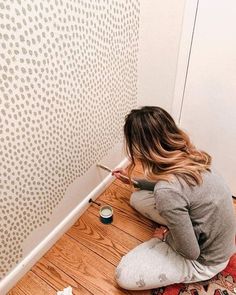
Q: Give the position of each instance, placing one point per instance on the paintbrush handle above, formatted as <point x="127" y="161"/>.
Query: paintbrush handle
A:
<point x="104" y="167"/>
<point x="92" y="201"/>
<point x="121" y="175"/>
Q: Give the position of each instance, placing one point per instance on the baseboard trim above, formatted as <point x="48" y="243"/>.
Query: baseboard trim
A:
<point x="27" y="263"/>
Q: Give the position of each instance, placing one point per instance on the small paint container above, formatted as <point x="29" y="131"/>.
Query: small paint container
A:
<point x="106" y="214"/>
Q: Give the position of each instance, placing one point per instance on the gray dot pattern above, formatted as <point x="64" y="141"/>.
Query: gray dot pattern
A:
<point x="68" y="71"/>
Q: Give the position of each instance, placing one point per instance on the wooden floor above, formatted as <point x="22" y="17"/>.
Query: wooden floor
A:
<point x="86" y="256"/>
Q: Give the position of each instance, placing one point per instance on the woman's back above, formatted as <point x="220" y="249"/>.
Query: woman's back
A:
<point x="210" y="208"/>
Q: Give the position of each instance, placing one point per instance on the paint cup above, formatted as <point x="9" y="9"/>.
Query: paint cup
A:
<point x="106" y="214"/>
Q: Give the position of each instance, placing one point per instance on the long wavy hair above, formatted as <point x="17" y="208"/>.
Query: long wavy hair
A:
<point x="153" y="139"/>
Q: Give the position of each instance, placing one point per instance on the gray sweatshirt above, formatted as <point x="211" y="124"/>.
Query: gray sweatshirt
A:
<point x="200" y="219"/>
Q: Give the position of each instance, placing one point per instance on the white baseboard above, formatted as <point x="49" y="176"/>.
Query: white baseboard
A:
<point x="27" y="263"/>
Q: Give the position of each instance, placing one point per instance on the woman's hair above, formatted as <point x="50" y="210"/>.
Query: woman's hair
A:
<point x="153" y="139"/>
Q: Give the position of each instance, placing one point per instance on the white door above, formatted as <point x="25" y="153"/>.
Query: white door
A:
<point x="209" y="100"/>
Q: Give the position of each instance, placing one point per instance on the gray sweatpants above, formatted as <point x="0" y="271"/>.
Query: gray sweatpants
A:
<point x="154" y="263"/>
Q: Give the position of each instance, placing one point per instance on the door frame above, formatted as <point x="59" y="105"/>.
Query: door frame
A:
<point x="185" y="46"/>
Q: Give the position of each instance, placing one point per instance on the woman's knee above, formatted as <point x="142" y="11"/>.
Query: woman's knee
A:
<point x="137" y="199"/>
<point x="119" y="275"/>
<point x="130" y="274"/>
<point x="125" y="272"/>
<point x="120" y="279"/>
<point x="125" y="278"/>
<point x="144" y="202"/>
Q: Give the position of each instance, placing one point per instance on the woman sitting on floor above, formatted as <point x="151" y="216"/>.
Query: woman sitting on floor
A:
<point x="186" y="195"/>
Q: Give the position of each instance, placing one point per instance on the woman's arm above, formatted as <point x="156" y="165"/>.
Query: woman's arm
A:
<point x="181" y="237"/>
<point x="138" y="183"/>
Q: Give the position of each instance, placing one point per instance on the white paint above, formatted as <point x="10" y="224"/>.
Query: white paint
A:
<point x="209" y="106"/>
<point x="106" y="212"/>
<point x="56" y="232"/>
<point x="159" y="37"/>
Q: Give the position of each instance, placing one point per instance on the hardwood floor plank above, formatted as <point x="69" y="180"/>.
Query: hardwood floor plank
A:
<point x="84" y="266"/>
<point x="57" y="278"/>
<point x="106" y="240"/>
<point x="16" y="291"/>
<point x="126" y="222"/>
<point x="32" y="284"/>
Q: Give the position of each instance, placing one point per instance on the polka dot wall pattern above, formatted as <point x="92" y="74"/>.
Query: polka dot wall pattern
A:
<point x="68" y="71"/>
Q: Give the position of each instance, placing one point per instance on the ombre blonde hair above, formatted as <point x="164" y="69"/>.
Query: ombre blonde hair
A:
<point x="153" y="139"/>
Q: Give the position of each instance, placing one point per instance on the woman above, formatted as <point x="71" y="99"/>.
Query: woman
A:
<point x="185" y="195"/>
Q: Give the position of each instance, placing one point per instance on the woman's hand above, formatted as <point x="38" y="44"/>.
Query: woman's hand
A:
<point x="121" y="175"/>
<point x="161" y="233"/>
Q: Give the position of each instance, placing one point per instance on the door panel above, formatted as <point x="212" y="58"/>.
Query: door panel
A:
<point x="209" y="103"/>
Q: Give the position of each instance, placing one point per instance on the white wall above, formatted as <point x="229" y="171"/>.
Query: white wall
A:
<point x="159" y="37"/>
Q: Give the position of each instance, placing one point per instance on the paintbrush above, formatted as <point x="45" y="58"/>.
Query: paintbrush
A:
<point x="121" y="175"/>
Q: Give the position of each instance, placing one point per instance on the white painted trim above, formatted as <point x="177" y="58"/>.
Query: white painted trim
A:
<point x="26" y="264"/>
<point x="183" y="57"/>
